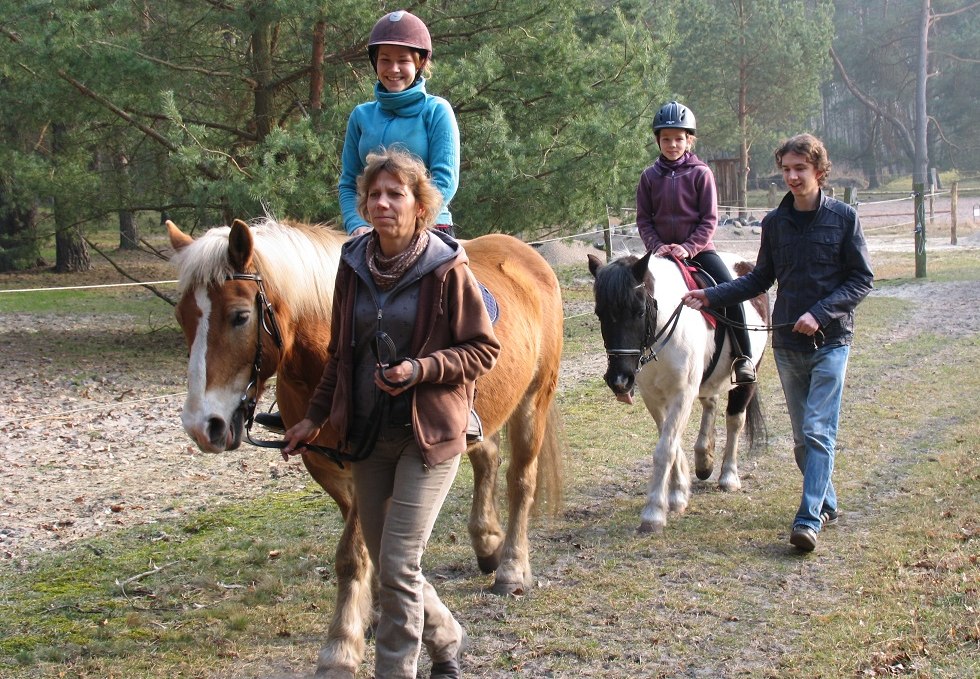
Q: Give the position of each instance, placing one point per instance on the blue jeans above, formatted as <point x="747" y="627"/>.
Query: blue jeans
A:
<point x="813" y="384"/>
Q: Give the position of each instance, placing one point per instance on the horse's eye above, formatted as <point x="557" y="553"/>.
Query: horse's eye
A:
<point x="638" y="313"/>
<point x="240" y="318"/>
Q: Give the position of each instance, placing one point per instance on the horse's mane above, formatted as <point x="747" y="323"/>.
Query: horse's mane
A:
<point x="615" y="286"/>
<point x="298" y="262"/>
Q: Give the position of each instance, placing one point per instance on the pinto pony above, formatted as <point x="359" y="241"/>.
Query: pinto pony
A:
<point x="255" y="301"/>
<point x="643" y="323"/>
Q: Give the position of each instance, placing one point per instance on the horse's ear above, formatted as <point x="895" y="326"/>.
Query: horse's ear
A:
<point x="240" y="246"/>
<point x="639" y="270"/>
<point x="594" y="265"/>
<point x="178" y="239"/>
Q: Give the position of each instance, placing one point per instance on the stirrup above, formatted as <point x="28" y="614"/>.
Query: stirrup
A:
<point x="743" y="372"/>
<point x="474" y="429"/>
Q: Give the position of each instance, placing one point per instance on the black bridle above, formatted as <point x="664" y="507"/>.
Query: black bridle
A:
<point x="647" y="351"/>
<point x="267" y="322"/>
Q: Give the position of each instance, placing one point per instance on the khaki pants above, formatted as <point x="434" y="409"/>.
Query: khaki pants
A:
<point x="398" y="500"/>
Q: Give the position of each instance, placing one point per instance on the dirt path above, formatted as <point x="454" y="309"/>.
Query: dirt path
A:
<point x="91" y="447"/>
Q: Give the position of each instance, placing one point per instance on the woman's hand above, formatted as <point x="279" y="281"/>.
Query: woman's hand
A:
<point x="359" y="230"/>
<point x="405" y="374"/>
<point x="298" y="435"/>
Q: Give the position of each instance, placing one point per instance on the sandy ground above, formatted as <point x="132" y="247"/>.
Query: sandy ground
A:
<point x="89" y="448"/>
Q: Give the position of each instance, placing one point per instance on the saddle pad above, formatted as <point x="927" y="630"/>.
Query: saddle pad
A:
<point x="687" y="273"/>
<point x="490" y="302"/>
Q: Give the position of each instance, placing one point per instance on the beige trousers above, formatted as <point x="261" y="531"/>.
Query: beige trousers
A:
<point x="398" y="501"/>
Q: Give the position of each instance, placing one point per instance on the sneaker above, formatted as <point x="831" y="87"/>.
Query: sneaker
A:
<point x="271" y="421"/>
<point x="743" y="372"/>
<point x="803" y="537"/>
<point x="829" y="517"/>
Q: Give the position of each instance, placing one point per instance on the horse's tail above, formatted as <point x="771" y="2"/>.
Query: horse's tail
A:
<point x="755" y="421"/>
<point x="550" y="490"/>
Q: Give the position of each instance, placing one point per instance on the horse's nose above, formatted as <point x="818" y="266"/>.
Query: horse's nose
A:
<point x="619" y="382"/>
<point x="217" y="431"/>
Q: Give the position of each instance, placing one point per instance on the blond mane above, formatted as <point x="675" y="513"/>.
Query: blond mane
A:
<point x="298" y="262"/>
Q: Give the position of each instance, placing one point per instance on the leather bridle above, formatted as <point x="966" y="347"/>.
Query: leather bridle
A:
<point x="651" y="336"/>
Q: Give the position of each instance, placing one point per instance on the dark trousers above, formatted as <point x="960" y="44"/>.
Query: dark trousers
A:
<point x="715" y="267"/>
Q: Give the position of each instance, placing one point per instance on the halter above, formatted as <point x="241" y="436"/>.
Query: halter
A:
<point x="651" y="336"/>
<point x="267" y="322"/>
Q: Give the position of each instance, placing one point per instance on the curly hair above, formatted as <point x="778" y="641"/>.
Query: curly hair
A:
<point x="407" y="168"/>
<point x="811" y="148"/>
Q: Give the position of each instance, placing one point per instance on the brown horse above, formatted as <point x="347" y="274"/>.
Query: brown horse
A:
<point x="255" y="301"/>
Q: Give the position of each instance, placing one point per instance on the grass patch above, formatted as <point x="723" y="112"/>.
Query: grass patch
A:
<point x="891" y="591"/>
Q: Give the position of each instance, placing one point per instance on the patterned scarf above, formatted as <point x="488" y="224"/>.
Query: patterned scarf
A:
<point x="387" y="271"/>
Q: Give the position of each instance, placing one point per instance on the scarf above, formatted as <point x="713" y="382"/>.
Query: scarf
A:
<point x="386" y="271"/>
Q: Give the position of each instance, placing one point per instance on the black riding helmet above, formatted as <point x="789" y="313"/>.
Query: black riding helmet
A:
<point x="675" y="115"/>
<point x="400" y="28"/>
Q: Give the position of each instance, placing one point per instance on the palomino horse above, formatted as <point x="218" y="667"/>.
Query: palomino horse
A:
<point x="634" y="300"/>
<point x="256" y="301"/>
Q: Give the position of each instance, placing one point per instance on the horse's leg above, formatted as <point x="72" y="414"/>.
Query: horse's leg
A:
<point x="526" y="430"/>
<point x="704" y="446"/>
<point x="735" y="421"/>
<point x="680" y="482"/>
<point x="342" y="654"/>
<point x="486" y="535"/>
<point x="344" y="650"/>
<point x="653" y="518"/>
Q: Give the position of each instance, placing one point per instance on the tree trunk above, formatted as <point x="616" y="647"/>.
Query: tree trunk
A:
<point x="71" y="253"/>
<point x="921" y="165"/>
<point x="129" y="237"/>
<point x="264" y="105"/>
<point x="743" y="150"/>
<point x="316" y="73"/>
<point x="18" y="235"/>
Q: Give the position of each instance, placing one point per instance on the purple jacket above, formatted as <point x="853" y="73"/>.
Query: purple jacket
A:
<point x="676" y="202"/>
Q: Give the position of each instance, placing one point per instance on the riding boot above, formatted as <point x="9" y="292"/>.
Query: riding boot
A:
<point x="743" y="372"/>
<point x="271" y="421"/>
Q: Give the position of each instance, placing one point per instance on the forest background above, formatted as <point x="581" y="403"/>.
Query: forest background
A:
<point x="207" y="110"/>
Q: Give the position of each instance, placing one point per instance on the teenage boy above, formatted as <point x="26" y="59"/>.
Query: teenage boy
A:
<point x="814" y="247"/>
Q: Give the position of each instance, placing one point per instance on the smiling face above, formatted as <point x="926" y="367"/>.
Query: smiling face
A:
<point x="802" y="178"/>
<point x="673" y="142"/>
<point x="397" y="67"/>
<point x="392" y="210"/>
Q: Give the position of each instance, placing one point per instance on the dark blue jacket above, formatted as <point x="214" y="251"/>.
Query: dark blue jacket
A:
<point x="823" y="269"/>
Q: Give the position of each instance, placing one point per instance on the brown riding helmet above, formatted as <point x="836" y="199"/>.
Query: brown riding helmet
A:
<point x="400" y="28"/>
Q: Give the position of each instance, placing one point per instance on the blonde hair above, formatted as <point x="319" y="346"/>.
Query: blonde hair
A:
<point x="410" y="171"/>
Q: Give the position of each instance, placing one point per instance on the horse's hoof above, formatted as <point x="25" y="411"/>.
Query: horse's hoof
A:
<point x="489" y="564"/>
<point x="703" y="474"/>
<point x="508" y="588"/>
<point x="730" y="487"/>
<point x="648" y="527"/>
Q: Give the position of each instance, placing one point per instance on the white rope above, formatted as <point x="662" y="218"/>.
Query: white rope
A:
<point x="87" y="287"/>
<point x="102" y="406"/>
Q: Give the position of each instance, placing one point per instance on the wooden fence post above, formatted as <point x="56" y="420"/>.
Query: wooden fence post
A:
<point x="611" y="221"/>
<point x="954" y="190"/>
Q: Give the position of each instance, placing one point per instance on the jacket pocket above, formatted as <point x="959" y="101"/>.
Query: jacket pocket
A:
<point x="442" y="412"/>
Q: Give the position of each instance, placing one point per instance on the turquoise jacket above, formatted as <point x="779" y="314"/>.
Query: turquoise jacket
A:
<point x="417" y="121"/>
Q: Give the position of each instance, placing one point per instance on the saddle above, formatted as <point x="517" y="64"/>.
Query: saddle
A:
<point x="695" y="279"/>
